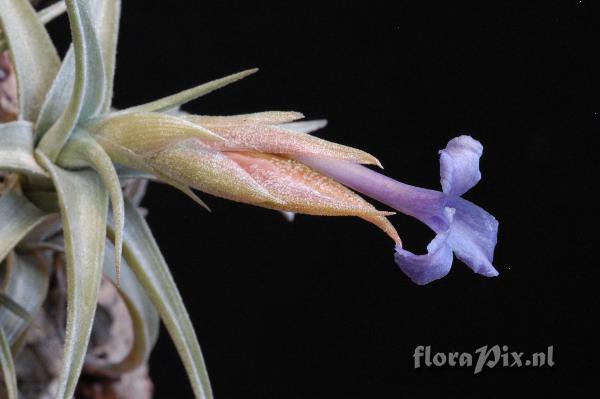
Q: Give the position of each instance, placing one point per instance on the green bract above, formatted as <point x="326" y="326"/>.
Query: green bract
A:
<point x="53" y="161"/>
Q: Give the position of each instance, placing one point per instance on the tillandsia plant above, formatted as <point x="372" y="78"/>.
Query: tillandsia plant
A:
<point x="73" y="171"/>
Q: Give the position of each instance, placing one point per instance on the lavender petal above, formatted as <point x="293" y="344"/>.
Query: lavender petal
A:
<point x="423" y="269"/>
<point x="473" y="236"/>
<point x="459" y="165"/>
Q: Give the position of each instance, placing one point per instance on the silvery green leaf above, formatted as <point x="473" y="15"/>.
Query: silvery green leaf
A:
<point x="58" y="97"/>
<point x="176" y="100"/>
<point x="8" y="303"/>
<point x="135" y="190"/>
<point x="46" y="15"/>
<point x="16" y="149"/>
<point x="106" y="15"/>
<point x="49" y="227"/>
<point x="145" y="319"/>
<point x="26" y="284"/>
<point x="8" y="367"/>
<point x="143" y="256"/>
<point x="52" y="11"/>
<point x="18" y="216"/>
<point x="82" y="151"/>
<point x="89" y="86"/>
<point x="31" y="48"/>
<point x="83" y="202"/>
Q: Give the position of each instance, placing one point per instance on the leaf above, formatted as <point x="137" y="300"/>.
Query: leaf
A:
<point x="18" y="216"/>
<point x="58" y="97"/>
<point x="8" y="303"/>
<point x="143" y="256"/>
<point x="8" y="367"/>
<point x="145" y="319"/>
<point x="26" y="284"/>
<point x="89" y="85"/>
<point x="52" y="11"/>
<point x="106" y="15"/>
<point x="175" y="100"/>
<point x="33" y="54"/>
<point x="16" y="149"/>
<point x="83" y="203"/>
<point x="82" y="151"/>
<point x="46" y="15"/>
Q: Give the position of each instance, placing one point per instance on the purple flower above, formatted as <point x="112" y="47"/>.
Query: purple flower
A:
<point x="461" y="227"/>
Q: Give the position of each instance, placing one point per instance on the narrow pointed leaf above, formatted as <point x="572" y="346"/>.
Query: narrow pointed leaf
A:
<point x="18" y="216"/>
<point x="83" y="151"/>
<point x="89" y="85"/>
<point x="58" y="97"/>
<point x="135" y="190"/>
<point x="46" y="15"/>
<point x="16" y="149"/>
<point x="8" y="367"/>
<point x="34" y="56"/>
<point x="106" y="15"/>
<point x="83" y="202"/>
<point x="60" y="93"/>
<point x="26" y="284"/>
<point x="18" y="310"/>
<point x="52" y="11"/>
<point x="176" y="100"/>
<point x="144" y="316"/>
<point x="146" y="261"/>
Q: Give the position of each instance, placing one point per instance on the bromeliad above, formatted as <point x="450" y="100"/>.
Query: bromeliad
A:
<point x="66" y="154"/>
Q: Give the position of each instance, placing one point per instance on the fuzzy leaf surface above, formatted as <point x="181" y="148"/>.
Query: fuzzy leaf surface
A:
<point x="18" y="217"/>
<point x="33" y="54"/>
<point x="89" y="84"/>
<point x="145" y="259"/>
<point x="83" y="203"/>
<point x="16" y="149"/>
<point x="8" y="367"/>
<point x="106" y="15"/>
<point x="27" y="285"/>
<point x="185" y="96"/>
<point x="83" y="151"/>
<point x="144" y="317"/>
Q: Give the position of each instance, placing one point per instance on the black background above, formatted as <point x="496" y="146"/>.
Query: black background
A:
<point x="317" y="308"/>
